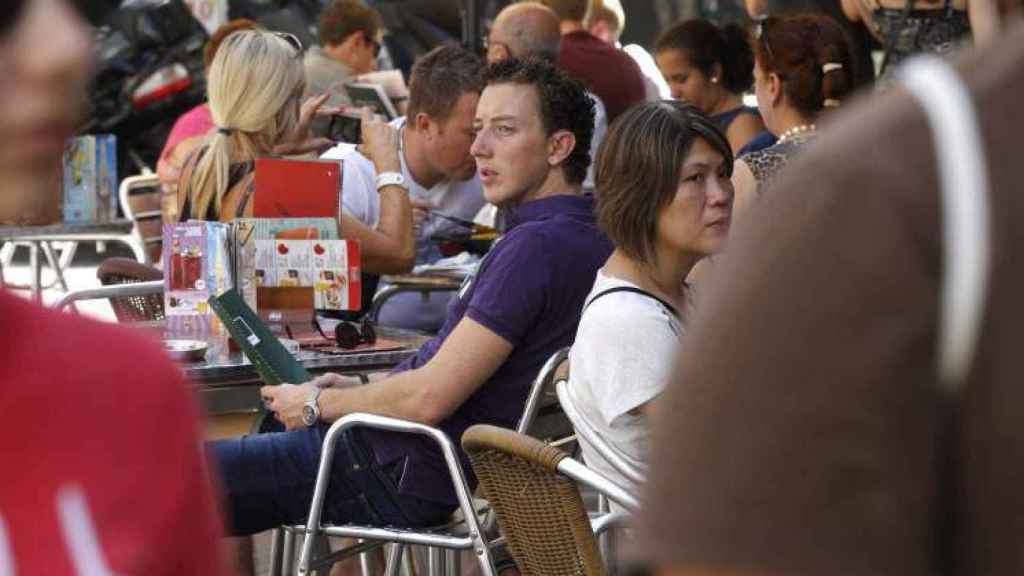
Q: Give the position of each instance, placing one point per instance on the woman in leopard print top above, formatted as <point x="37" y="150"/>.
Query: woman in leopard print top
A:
<point x="802" y="65"/>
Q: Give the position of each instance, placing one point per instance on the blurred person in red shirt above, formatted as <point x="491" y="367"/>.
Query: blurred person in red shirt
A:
<point x="99" y="438"/>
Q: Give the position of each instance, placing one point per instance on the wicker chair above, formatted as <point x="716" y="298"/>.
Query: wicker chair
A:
<point x="532" y="488"/>
<point x="132" y="308"/>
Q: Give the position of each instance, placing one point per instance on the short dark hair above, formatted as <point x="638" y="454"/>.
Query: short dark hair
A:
<point x="440" y="77"/>
<point x="342" y="18"/>
<point x="639" y="164"/>
<point x="568" y="9"/>
<point x="705" y="45"/>
<point x="563" y="102"/>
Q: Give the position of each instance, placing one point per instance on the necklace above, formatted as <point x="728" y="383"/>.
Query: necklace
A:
<point x="796" y="131"/>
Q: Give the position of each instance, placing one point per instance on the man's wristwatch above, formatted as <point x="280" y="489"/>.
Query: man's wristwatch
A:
<point x="311" y="409"/>
<point x="391" y="179"/>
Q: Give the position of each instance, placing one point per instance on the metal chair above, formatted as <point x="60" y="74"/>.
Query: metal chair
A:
<point x="117" y="291"/>
<point x="136" y="308"/>
<point x="141" y="198"/>
<point x="532" y="487"/>
<point x="586" y="432"/>
<point x="469" y="526"/>
<point x="473" y="540"/>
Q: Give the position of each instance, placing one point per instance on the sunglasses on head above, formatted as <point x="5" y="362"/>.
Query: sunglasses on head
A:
<point x="292" y="41"/>
<point x="92" y="11"/>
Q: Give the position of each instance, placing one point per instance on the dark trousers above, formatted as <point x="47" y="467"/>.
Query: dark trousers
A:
<point x="269" y="479"/>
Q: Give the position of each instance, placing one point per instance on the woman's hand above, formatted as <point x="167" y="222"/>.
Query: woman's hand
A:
<point x="300" y="140"/>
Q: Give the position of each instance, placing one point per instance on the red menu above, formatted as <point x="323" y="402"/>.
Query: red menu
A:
<point x="297" y="188"/>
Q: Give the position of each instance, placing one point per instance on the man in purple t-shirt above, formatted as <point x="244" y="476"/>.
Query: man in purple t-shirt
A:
<point x="533" y="124"/>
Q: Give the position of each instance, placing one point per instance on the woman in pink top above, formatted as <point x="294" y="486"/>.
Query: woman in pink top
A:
<point x="190" y="128"/>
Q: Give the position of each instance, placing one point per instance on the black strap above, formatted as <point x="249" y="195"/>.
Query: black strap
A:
<point x="634" y="290"/>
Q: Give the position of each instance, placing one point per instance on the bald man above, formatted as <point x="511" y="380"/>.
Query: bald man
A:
<point x="525" y="29"/>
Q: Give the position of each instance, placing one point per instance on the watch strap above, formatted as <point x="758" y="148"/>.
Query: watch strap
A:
<point x="313" y="403"/>
<point x="391" y="179"/>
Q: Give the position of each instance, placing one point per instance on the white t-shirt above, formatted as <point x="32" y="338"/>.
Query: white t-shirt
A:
<point x="622" y="357"/>
<point x="360" y="199"/>
<point x="654" y="83"/>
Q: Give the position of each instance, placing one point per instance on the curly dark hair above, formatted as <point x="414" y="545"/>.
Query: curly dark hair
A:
<point x="564" y="105"/>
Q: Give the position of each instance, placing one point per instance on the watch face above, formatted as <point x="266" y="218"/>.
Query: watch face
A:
<point x="308" y="415"/>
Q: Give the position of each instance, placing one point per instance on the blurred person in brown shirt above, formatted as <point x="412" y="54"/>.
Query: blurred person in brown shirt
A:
<point x="804" y="432"/>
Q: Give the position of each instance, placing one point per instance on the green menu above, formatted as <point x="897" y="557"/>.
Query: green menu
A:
<point x="271" y="359"/>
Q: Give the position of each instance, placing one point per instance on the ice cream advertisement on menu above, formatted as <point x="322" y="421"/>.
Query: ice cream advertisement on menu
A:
<point x="331" y="267"/>
<point x="196" y="266"/>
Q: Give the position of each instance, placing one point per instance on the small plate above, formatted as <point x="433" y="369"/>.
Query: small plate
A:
<point x="188" y="350"/>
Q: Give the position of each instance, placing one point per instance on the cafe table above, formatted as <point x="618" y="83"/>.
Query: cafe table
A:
<point x="228" y="384"/>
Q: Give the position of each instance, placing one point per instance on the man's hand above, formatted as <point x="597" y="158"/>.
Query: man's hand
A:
<point x="380" y="143"/>
<point x="286" y="402"/>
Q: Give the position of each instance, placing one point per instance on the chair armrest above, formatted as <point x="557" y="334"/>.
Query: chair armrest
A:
<point x="392" y="290"/>
<point x="604" y="522"/>
<point x="583" y="430"/>
<point x="113" y="291"/>
<point x="580" y="473"/>
<point x="396" y="425"/>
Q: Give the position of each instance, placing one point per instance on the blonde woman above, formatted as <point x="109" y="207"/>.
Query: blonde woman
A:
<point x="255" y="88"/>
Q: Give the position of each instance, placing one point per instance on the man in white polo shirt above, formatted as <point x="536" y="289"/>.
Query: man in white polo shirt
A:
<point x="437" y="169"/>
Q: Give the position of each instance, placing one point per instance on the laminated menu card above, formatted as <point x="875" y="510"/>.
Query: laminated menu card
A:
<point x="196" y="267"/>
<point x="90" y="178"/>
<point x="247" y="231"/>
<point x="330" y="267"/>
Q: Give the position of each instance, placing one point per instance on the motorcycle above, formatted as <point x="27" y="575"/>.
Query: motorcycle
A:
<point x="150" y="57"/>
<point x="149" y="71"/>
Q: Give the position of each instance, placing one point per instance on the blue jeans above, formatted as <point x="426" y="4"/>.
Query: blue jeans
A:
<point x="269" y="480"/>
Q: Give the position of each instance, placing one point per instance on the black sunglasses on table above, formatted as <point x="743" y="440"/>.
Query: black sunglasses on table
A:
<point x="347" y="336"/>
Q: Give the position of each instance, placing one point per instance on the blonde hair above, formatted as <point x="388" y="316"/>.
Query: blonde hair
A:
<point x="608" y="10"/>
<point x="254" y="86"/>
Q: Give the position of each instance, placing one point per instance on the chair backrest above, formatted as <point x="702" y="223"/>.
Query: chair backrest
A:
<point x="538" y="420"/>
<point x="132" y="308"/>
<point x="141" y="198"/>
<point x="540" y="510"/>
<point x="587" y="433"/>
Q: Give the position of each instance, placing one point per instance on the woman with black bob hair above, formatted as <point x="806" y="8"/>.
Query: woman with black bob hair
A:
<point x="710" y="68"/>
<point x="664" y="199"/>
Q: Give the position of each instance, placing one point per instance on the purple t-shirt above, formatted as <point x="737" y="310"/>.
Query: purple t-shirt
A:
<point x="529" y="290"/>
